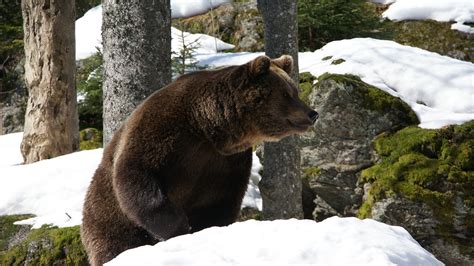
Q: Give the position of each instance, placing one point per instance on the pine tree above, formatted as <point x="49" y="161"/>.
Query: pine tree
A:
<point x="324" y="21"/>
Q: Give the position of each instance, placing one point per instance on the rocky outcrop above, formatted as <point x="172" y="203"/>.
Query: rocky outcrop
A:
<point x="352" y="114"/>
<point x="238" y="23"/>
<point x="365" y="157"/>
<point x="435" y="37"/>
<point x="424" y="181"/>
<point x="13" y="96"/>
<point x="12" y="113"/>
<point x="44" y="246"/>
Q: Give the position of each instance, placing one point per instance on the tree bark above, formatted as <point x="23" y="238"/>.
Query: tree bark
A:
<point x="281" y="184"/>
<point x="136" y="38"/>
<point x="51" y="120"/>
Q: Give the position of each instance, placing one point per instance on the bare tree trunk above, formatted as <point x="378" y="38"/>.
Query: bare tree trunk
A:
<point x="51" y="121"/>
<point x="137" y="56"/>
<point x="281" y="184"/>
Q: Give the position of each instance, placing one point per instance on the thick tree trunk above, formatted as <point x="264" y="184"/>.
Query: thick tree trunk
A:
<point x="281" y="184"/>
<point x="136" y="36"/>
<point x="51" y="121"/>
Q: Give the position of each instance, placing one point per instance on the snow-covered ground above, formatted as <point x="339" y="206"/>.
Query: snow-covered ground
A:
<point x="89" y="37"/>
<point x="334" y="241"/>
<point x="459" y="11"/>
<point x="54" y="189"/>
<point x="438" y="88"/>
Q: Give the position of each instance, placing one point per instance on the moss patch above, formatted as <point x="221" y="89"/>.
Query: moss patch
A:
<point x="435" y="37"/>
<point x="311" y="172"/>
<point x="48" y="246"/>
<point x="8" y="229"/>
<point x="424" y="166"/>
<point x="306" y="85"/>
<point x="338" y="61"/>
<point x="90" y="138"/>
<point x="249" y="214"/>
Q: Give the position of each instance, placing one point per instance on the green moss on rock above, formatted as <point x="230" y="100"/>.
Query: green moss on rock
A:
<point x="48" y="246"/>
<point x="306" y="85"/>
<point x="311" y="172"/>
<point x="421" y="165"/>
<point x="435" y="37"/>
<point x="338" y="61"/>
<point x="249" y="214"/>
<point x="8" y="229"/>
<point x="90" y="138"/>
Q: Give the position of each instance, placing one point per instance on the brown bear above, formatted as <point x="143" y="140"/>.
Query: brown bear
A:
<point x="181" y="162"/>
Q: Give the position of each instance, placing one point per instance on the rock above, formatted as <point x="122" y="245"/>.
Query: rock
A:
<point x="363" y="158"/>
<point x="44" y="246"/>
<point x="13" y="100"/>
<point x="13" y="118"/>
<point x="238" y="23"/>
<point x="436" y="37"/>
<point x="248" y="33"/>
<point x="90" y="138"/>
<point x="339" y="145"/>
<point x="424" y="181"/>
<point x="11" y="234"/>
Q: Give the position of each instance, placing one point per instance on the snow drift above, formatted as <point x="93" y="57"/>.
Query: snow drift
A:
<point x="334" y="241"/>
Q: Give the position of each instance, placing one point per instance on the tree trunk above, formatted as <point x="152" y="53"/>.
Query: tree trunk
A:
<point x="51" y="120"/>
<point x="136" y="36"/>
<point x="281" y="184"/>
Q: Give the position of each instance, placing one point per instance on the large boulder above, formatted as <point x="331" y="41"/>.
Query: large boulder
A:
<point x="424" y="181"/>
<point x="238" y="23"/>
<point x="365" y="157"/>
<point x="352" y="114"/>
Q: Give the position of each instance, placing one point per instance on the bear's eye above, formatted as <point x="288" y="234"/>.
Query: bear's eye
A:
<point x="286" y="95"/>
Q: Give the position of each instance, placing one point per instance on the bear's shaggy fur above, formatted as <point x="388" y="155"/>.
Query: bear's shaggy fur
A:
<point x="181" y="162"/>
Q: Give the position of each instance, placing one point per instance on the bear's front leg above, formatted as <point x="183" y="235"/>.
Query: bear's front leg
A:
<point x="143" y="202"/>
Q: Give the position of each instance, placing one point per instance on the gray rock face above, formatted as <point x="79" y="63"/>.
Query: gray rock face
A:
<point x="437" y="213"/>
<point x="238" y="23"/>
<point x="12" y="114"/>
<point x="249" y="31"/>
<point x="13" y="102"/>
<point x="418" y="219"/>
<point x="352" y="113"/>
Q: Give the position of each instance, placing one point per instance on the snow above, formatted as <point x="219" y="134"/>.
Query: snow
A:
<point x="460" y="11"/>
<point x="252" y="198"/>
<point x="54" y="189"/>
<point x="384" y="2"/>
<point x="189" y="8"/>
<point x="10" y="153"/>
<point x="438" y="88"/>
<point x="89" y="35"/>
<point x="334" y="241"/>
<point x="205" y="44"/>
<point x="461" y="27"/>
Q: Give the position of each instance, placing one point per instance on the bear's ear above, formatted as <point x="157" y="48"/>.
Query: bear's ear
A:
<point x="259" y="66"/>
<point x="284" y="62"/>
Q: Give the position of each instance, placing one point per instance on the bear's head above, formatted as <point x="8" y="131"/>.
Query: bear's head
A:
<point x="267" y="101"/>
<point x="281" y="112"/>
